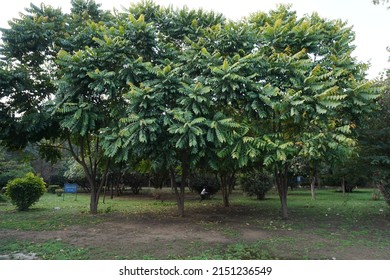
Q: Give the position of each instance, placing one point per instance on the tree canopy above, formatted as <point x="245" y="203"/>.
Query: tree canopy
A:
<point x="182" y="88"/>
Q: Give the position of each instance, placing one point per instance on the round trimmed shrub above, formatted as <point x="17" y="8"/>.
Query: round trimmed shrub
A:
<point x="256" y="183"/>
<point x="59" y="192"/>
<point x="52" y="188"/>
<point x="25" y="191"/>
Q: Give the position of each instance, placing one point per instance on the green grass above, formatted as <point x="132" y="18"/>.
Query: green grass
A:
<point x="315" y="227"/>
<point x="53" y="213"/>
<point x="49" y="213"/>
<point x="49" y="250"/>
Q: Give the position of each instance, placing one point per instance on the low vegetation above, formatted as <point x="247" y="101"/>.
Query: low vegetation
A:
<point x="350" y="226"/>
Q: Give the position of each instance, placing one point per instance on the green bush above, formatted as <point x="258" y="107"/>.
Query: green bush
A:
<point x="3" y="198"/>
<point x="256" y="183"/>
<point x="376" y="194"/>
<point x="25" y="191"/>
<point x="52" y="188"/>
<point x="135" y="181"/>
<point x="59" y="192"/>
<point x="199" y="181"/>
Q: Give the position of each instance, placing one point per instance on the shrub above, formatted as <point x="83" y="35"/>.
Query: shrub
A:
<point x="256" y="183"/>
<point x="52" y="188"/>
<point x="376" y="194"/>
<point x="135" y="181"/>
<point x="59" y="192"/>
<point x="199" y="181"/>
<point x="25" y="191"/>
<point x="3" y="198"/>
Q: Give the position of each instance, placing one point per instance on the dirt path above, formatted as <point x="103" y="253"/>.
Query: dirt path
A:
<point x="163" y="237"/>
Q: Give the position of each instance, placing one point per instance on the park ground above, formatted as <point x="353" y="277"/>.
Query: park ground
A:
<point x="335" y="226"/>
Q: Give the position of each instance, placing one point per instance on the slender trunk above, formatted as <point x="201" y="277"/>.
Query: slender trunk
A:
<point x="312" y="187"/>
<point x="282" y="186"/>
<point x="226" y="183"/>
<point x="94" y="201"/>
<point x="96" y="187"/>
<point x="343" y="184"/>
<point x="105" y="188"/>
<point x="112" y="190"/>
<point x="313" y="183"/>
<point x="179" y="188"/>
<point x="225" y="191"/>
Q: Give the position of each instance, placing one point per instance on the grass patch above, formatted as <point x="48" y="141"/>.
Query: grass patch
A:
<point x="49" y="250"/>
<point x="317" y="229"/>
<point x="49" y="213"/>
<point x="239" y="251"/>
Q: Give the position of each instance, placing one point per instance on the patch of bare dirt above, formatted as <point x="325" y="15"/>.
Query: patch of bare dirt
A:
<point x="166" y="236"/>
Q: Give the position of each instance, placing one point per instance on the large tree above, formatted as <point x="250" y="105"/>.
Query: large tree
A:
<point x="173" y="117"/>
<point x="315" y="89"/>
<point x="40" y="103"/>
<point x="173" y="86"/>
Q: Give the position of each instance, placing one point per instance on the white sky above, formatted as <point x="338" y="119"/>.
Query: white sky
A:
<point x="371" y="23"/>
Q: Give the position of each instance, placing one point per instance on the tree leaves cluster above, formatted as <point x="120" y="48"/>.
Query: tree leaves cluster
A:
<point x="182" y="88"/>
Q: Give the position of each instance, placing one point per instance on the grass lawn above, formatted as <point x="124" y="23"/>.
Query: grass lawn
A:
<point x="351" y="226"/>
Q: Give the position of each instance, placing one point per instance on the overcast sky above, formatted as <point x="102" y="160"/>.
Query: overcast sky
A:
<point x="371" y="23"/>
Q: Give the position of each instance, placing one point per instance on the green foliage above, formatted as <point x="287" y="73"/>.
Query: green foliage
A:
<point x="3" y="198"/>
<point x="48" y="250"/>
<point x="52" y="188"/>
<point x="11" y="168"/>
<point x="75" y="173"/>
<point x="181" y="88"/>
<point x="59" y="192"/>
<point x="198" y="181"/>
<point x="247" y="252"/>
<point x="135" y="181"/>
<point x="25" y="191"/>
<point x="256" y="183"/>
<point x="376" y="194"/>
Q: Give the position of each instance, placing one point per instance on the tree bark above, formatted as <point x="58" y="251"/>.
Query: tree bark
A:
<point x="180" y="188"/>
<point x="282" y="186"/>
<point x="226" y="182"/>
<point x="225" y="193"/>
<point x="90" y="166"/>
<point x="312" y="187"/>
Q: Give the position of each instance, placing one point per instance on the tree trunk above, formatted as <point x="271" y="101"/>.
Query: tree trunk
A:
<point x="343" y="184"/>
<point x="312" y="187"/>
<point x="282" y="186"/>
<point x="222" y="181"/>
<point x="91" y="167"/>
<point x="180" y="188"/>
<point x="226" y="182"/>
<point x="225" y="194"/>
<point x="112" y="190"/>
<point x="94" y="201"/>
<point x="319" y="181"/>
<point x="96" y="186"/>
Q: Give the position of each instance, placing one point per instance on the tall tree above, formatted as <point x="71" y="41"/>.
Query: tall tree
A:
<point x="316" y="90"/>
<point x="35" y="106"/>
<point x="173" y="115"/>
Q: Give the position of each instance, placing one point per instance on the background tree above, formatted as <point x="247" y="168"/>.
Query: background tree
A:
<point x="374" y="142"/>
<point x="27" y="72"/>
<point x="377" y="2"/>
<point x="12" y="165"/>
